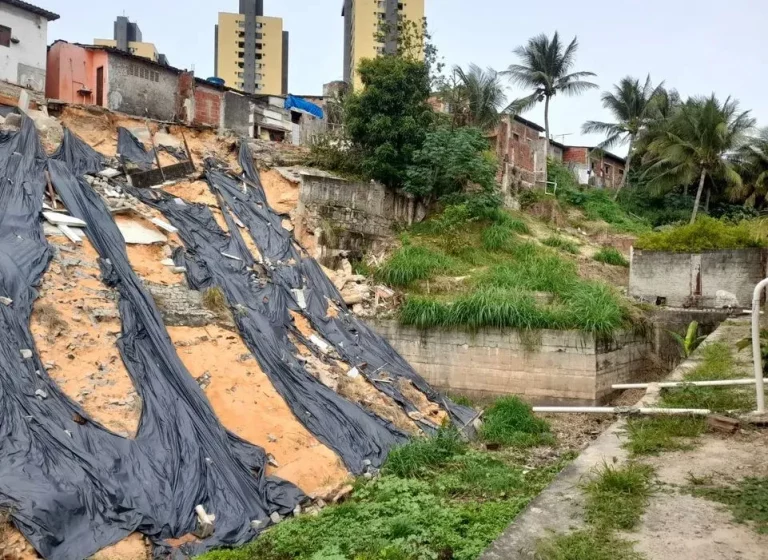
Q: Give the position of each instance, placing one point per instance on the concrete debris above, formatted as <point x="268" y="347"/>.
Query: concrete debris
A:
<point x="271" y="438"/>
<point x="50" y="129"/>
<point x="256" y="524"/>
<point x="136" y="234"/>
<point x="109" y="173"/>
<point x="42" y="394"/>
<point x="297" y="510"/>
<point x="275" y="517"/>
<point x="58" y="218"/>
<point x="13" y="120"/>
<point x="320" y="343"/>
<point x="168" y="262"/>
<point x="343" y="494"/>
<point x="724" y="424"/>
<point x="178" y="270"/>
<point x="70" y="233"/>
<point x="26" y="353"/>
<point x="204" y="380"/>
<point x="272" y="461"/>
<point x="6" y="300"/>
<point x="353" y="373"/>
<point x="205" y="521"/>
<point x="299" y="296"/>
<point x="382" y="292"/>
<point x="725" y="299"/>
<point x="164" y="225"/>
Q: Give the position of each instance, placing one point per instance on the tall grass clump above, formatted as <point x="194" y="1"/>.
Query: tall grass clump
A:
<point x="562" y="244"/>
<point x="612" y="256"/>
<point x="532" y="268"/>
<point x="496" y="237"/>
<point x="215" y="300"/>
<point x="706" y="234"/>
<point x="651" y="436"/>
<point x="411" y="263"/>
<point x="416" y="458"/>
<point x="594" y="307"/>
<point x="510" y="421"/>
<point x="617" y="496"/>
<point x="424" y="312"/>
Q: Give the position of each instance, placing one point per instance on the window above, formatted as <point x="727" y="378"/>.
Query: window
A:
<point x="143" y="73"/>
<point x="5" y="36"/>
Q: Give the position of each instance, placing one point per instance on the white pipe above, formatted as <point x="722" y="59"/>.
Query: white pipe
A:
<point x="672" y="384"/>
<point x="757" y="355"/>
<point x="622" y="410"/>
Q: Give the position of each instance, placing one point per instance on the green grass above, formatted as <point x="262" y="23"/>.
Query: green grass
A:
<point x="586" y="545"/>
<point x="717" y="363"/>
<point x="562" y="244"/>
<point x="436" y="498"/>
<point x="411" y="263"/>
<point x="497" y="237"/>
<point x="612" y="256"/>
<point x="510" y="421"/>
<point x="214" y="300"/>
<point x="747" y="500"/>
<point x="651" y="436"/>
<point x="707" y="234"/>
<point x="617" y="496"/>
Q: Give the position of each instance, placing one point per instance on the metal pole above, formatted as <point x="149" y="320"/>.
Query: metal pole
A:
<point x="672" y="384"/>
<point x="757" y="355"/>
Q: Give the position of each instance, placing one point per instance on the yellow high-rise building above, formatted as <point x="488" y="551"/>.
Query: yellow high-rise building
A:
<point x="127" y="37"/>
<point x="252" y="50"/>
<point x="371" y="29"/>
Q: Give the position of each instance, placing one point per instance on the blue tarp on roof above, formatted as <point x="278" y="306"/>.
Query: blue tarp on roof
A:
<point x="293" y="102"/>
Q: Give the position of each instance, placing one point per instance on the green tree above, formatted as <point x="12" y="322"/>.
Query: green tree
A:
<point x="477" y="97"/>
<point x="695" y="145"/>
<point x="632" y="105"/>
<point x="545" y="66"/>
<point x="449" y="161"/>
<point x="752" y="163"/>
<point x="389" y="119"/>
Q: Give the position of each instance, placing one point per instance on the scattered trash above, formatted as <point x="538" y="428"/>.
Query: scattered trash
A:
<point x="6" y="300"/>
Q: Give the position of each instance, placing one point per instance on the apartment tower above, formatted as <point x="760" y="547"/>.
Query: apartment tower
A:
<point x="371" y="29"/>
<point x="127" y="37"/>
<point x="252" y="50"/>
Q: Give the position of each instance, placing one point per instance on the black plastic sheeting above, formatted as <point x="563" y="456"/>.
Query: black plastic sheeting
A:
<point x="74" y="488"/>
<point x="133" y="150"/>
<point x="79" y="156"/>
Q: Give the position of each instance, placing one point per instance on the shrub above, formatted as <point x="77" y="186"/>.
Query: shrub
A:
<point x="612" y="256"/>
<point x="411" y="263"/>
<point x="706" y="234"/>
<point x="562" y="244"/>
<point x="510" y="421"/>
<point x="416" y="458"/>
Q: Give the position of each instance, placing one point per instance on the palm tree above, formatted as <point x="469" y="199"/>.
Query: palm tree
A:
<point x="752" y="162"/>
<point x="478" y="97"/>
<point x="632" y="106"/>
<point x="545" y="66"/>
<point x="696" y="144"/>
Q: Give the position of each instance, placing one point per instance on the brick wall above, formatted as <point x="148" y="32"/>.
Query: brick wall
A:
<point x="693" y="280"/>
<point x="576" y="155"/>
<point x="521" y="155"/>
<point x="208" y="103"/>
<point x="546" y="367"/>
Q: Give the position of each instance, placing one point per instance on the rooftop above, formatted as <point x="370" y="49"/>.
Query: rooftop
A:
<point x="50" y="16"/>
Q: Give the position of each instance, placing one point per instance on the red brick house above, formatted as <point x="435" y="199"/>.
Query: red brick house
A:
<point x="521" y="152"/>
<point x="593" y="166"/>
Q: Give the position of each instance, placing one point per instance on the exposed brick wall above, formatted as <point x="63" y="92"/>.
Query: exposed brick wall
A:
<point x="521" y="155"/>
<point x="207" y="106"/>
<point x="186" y="91"/>
<point x="576" y="155"/>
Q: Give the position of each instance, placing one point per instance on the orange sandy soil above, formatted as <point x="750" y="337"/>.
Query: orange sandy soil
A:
<point x="282" y="194"/>
<point x="247" y="404"/>
<point x="87" y="365"/>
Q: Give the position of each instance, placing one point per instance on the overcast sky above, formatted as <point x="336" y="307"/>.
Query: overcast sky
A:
<point x="696" y="46"/>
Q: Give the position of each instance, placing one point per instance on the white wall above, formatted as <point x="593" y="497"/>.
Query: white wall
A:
<point x="23" y="63"/>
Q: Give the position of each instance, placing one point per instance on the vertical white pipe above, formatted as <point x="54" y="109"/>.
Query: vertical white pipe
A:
<point x="757" y="355"/>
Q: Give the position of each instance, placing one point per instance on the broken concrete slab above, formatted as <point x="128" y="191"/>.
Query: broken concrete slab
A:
<point x="70" y="233"/>
<point x="164" y="225"/>
<point x="26" y="353"/>
<point x="135" y="233"/>
<point x="59" y="218"/>
<point x="109" y="173"/>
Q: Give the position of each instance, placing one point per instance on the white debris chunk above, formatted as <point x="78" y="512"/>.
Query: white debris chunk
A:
<point x="58" y="218"/>
<point x="109" y="173"/>
<point x="70" y="233"/>
<point x="320" y="343"/>
<point x="299" y="295"/>
<point x="26" y="353"/>
<point x="164" y="225"/>
<point x="353" y="373"/>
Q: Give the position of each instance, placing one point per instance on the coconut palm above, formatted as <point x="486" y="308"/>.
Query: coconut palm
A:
<point x="696" y="144"/>
<point x="545" y="66"/>
<point x="752" y="162"/>
<point x="632" y="106"/>
<point x="479" y="96"/>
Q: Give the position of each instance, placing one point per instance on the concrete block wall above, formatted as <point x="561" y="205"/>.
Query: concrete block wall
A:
<point x="543" y="366"/>
<point x="693" y="280"/>
<point x="142" y="89"/>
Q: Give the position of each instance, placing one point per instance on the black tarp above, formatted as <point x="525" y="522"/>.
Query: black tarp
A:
<point x="132" y="149"/>
<point x="79" y="156"/>
<point x="75" y="488"/>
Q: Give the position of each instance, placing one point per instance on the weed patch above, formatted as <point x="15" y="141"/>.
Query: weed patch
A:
<point x="49" y="317"/>
<point x="497" y="237"/>
<point x="415" y="458"/>
<point x="651" y="436"/>
<point x="707" y="234"/>
<point x="586" y="545"/>
<point x="510" y="421"/>
<point x="214" y="300"/>
<point x="411" y="263"/>
<point x="747" y="500"/>
<point x="562" y="244"/>
<point x="612" y="256"/>
<point x="617" y="496"/>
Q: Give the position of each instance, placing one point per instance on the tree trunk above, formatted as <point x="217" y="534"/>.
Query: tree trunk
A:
<point x="709" y="195"/>
<point x="626" y="167"/>
<point x="546" y="120"/>
<point x="698" y="195"/>
<point x="685" y="190"/>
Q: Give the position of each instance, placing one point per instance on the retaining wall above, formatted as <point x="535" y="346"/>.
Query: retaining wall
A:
<point x="546" y="367"/>
<point x="713" y="279"/>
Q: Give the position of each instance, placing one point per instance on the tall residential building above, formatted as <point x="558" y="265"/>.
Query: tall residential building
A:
<point x="127" y="37"/>
<point x="365" y="24"/>
<point x="252" y="50"/>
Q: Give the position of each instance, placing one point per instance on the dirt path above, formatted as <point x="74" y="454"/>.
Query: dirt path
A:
<point x="680" y="526"/>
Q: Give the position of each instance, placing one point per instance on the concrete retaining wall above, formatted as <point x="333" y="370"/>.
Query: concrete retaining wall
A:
<point x="694" y="279"/>
<point x="544" y="366"/>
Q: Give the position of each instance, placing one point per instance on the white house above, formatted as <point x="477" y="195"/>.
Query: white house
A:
<point x="23" y="44"/>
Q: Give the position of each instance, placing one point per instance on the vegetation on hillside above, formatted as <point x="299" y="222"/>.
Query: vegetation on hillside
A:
<point x="436" y="498"/>
<point x="706" y="234"/>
